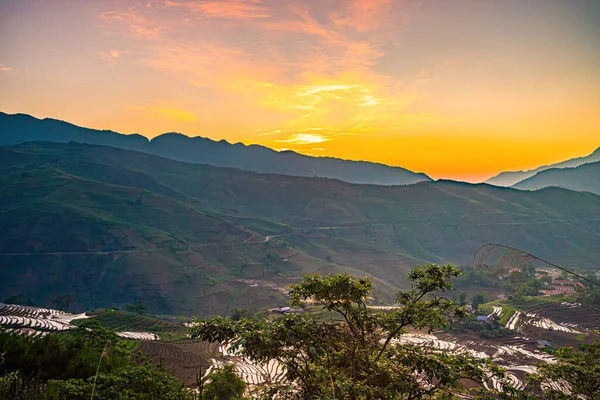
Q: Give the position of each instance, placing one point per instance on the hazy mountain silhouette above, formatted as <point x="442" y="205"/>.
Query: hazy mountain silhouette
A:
<point x="20" y="128"/>
<point x="511" y="178"/>
<point x="586" y="177"/>
<point x="126" y="226"/>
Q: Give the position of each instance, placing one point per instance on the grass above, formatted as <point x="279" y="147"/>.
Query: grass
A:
<point x="132" y="345"/>
<point x="506" y="314"/>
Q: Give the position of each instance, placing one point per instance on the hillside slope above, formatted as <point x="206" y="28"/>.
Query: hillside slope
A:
<point x="20" y="128"/>
<point x="198" y="239"/>
<point x="586" y="177"/>
<point x="513" y="177"/>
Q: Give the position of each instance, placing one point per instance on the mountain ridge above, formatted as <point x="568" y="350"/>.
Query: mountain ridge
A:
<point x="20" y="128"/>
<point x="198" y="239"/>
<point x="511" y="178"/>
<point x="585" y="177"/>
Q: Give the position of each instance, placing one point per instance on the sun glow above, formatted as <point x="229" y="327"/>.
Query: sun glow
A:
<point x="399" y="82"/>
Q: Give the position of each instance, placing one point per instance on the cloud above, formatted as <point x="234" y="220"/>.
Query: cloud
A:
<point x="364" y="15"/>
<point x="138" y="25"/>
<point x="304" y="138"/>
<point x="227" y="9"/>
<point x="297" y="63"/>
<point x="110" y="57"/>
<point x="270" y="133"/>
<point x="5" y="68"/>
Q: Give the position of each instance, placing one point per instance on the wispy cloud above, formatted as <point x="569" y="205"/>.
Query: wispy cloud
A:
<point x="134" y="20"/>
<point x="304" y="138"/>
<point x="5" y="68"/>
<point x="227" y="9"/>
<point x="110" y="57"/>
<point x="364" y="15"/>
<point x="330" y="79"/>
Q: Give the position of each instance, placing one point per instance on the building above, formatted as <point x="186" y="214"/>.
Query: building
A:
<point x="481" y="318"/>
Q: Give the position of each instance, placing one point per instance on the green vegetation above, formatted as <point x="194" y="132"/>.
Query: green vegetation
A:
<point x="578" y="368"/>
<point x="130" y="322"/>
<point x="127" y="226"/>
<point x="224" y="384"/>
<point x="73" y="365"/>
<point x="486" y="329"/>
<point x="357" y="357"/>
<point x="507" y="313"/>
<point x="20" y="299"/>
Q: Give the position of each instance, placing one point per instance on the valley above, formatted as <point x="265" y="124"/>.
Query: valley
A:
<point x="127" y="226"/>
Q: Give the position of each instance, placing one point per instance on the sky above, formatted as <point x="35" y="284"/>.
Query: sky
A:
<point x="458" y="89"/>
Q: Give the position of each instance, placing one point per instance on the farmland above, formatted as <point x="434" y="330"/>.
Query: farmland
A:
<point x="129" y="322"/>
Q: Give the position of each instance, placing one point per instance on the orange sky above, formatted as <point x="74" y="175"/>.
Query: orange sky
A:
<point x="458" y="89"/>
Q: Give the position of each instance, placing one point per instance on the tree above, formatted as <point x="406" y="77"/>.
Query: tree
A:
<point x="576" y="369"/>
<point x="477" y="300"/>
<point x="138" y="308"/>
<point x="357" y="355"/>
<point x="63" y="301"/>
<point x="20" y="300"/>
<point x="462" y="300"/>
<point x="224" y="384"/>
<point x="516" y="277"/>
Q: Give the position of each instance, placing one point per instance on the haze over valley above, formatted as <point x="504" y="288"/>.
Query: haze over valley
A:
<point x="299" y="200"/>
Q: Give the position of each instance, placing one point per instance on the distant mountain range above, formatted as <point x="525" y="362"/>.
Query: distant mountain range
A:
<point x="585" y="177"/>
<point x="109" y="225"/>
<point x="20" y="128"/>
<point x="514" y="177"/>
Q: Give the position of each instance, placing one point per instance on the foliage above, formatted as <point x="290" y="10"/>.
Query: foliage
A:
<point x="20" y="300"/>
<point x="577" y="369"/>
<point x="357" y="356"/>
<point x="63" y="301"/>
<point x="224" y="384"/>
<point x="477" y="300"/>
<point x="138" y="308"/>
<point x="487" y="330"/>
<point x="63" y="366"/>
<point x="240" y="313"/>
<point x="65" y="355"/>
<point x="590" y="295"/>
<point x="131" y="383"/>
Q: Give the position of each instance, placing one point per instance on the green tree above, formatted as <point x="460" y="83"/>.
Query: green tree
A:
<point x="224" y="384"/>
<point x="20" y="300"/>
<point x="63" y="301"/>
<point x="462" y="300"/>
<point x="577" y="370"/>
<point x="477" y="300"/>
<point x="138" y="308"/>
<point x="356" y="355"/>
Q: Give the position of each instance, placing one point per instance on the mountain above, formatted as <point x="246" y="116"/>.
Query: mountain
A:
<point x="514" y="177"/>
<point x="20" y="128"/>
<point x="110" y="225"/>
<point x="586" y="177"/>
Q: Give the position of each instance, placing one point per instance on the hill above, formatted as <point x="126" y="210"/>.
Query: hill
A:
<point x="20" y="128"/>
<point x="586" y="177"/>
<point x="513" y="177"/>
<point x="191" y="239"/>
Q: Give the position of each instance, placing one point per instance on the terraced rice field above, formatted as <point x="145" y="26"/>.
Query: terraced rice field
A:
<point x="516" y="354"/>
<point x="39" y="319"/>
<point x="35" y="322"/>
<point x="184" y="359"/>
<point x="566" y="317"/>
<point x="130" y="322"/>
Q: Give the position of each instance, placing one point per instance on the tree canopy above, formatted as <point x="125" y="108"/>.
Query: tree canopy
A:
<point x="357" y="354"/>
